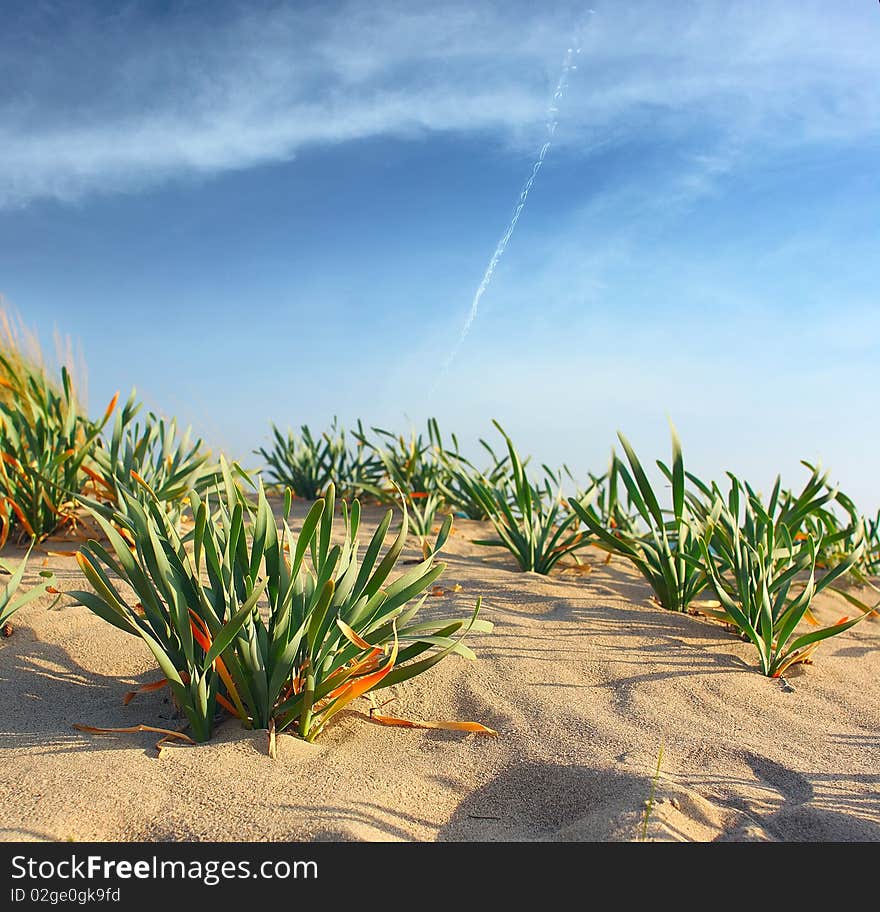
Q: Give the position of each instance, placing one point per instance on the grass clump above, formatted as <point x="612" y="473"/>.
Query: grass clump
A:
<point x="305" y="464"/>
<point x="151" y="459"/>
<point x="46" y="441"/>
<point x="280" y="630"/>
<point x="456" y="472"/>
<point x="765" y="577"/>
<point x="663" y="545"/>
<point x="871" y="557"/>
<point x="529" y="518"/>
<point x="412" y="469"/>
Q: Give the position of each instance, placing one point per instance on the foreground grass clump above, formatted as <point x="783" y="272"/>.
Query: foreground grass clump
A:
<point x="528" y="517"/>
<point x="286" y="630"/>
<point x="765" y="577"/>
<point x="46" y="441"/>
<point x="663" y="546"/>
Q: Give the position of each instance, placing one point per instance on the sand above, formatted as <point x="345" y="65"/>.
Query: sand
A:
<point x="584" y="679"/>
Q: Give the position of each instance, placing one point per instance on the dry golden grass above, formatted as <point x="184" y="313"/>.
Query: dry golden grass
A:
<point x="20" y="346"/>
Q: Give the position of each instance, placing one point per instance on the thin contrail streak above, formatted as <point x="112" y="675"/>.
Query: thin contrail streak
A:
<point x="552" y="122"/>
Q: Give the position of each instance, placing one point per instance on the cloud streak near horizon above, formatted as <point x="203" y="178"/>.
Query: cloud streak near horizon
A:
<point x="125" y="101"/>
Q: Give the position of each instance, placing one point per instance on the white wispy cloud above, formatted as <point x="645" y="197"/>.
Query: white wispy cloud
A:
<point x="105" y="102"/>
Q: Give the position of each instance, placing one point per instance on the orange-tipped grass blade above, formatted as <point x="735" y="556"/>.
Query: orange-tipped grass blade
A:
<point x="142" y="483"/>
<point x="167" y="732"/>
<point x="202" y="637"/>
<point x="351" y="636"/>
<point x="199" y="630"/>
<point x="144" y="688"/>
<point x="801" y="656"/>
<point x="710" y="608"/>
<point x="227" y="705"/>
<point x="354" y="689"/>
<point x="21" y="517"/>
<point x="581" y="568"/>
<point x="341" y="674"/>
<point x="110" y="408"/>
<point x="369" y="662"/>
<point x="98" y="479"/>
<point x="238" y="710"/>
<point x="448" y="725"/>
<point x="48" y="501"/>
<point x="361" y="667"/>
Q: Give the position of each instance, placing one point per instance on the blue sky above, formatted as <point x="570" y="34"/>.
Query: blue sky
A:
<point x="259" y="212"/>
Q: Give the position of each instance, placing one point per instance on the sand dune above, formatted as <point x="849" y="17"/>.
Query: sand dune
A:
<point x="584" y="679"/>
